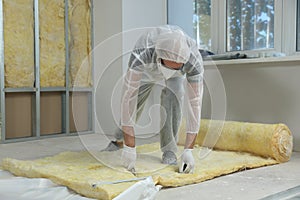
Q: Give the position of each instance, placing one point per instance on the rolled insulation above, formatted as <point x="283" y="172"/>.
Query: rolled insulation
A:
<point x="267" y="140"/>
<point x="18" y="43"/>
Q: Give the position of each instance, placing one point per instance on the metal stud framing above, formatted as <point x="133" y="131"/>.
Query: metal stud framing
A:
<point x="2" y="92"/>
<point x="36" y="90"/>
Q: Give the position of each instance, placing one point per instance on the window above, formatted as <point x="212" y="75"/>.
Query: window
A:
<point x="298" y="25"/>
<point x="255" y="27"/>
<point x="235" y="25"/>
<point x="250" y="25"/>
<point x="202" y="23"/>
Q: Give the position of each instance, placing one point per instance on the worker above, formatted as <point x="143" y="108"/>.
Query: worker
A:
<point x="165" y="54"/>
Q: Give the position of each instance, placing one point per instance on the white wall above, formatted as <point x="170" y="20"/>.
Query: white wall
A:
<point x="262" y="93"/>
<point x="175" y="16"/>
<point x="111" y="20"/>
<point x="143" y="13"/>
<point x="107" y="68"/>
<point x="140" y="14"/>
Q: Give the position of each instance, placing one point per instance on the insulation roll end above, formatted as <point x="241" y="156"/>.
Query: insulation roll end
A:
<point x="282" y="143"/>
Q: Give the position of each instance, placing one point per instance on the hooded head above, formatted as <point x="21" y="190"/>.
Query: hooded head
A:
<point x="172" y="46"/>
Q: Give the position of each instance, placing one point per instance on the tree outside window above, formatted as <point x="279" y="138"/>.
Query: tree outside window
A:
<point x="250" y="24"/>
<point x="202" y="23"/>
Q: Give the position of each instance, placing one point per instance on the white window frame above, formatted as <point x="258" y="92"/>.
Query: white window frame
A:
<point x="289" y="27"/>
<point x="285" y="22"/>
<point x="296" y="6"/>
<point x="220" y="40"/>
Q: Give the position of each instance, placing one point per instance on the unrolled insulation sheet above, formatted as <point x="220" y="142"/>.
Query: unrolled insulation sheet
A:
<point x="80" y="170"/>
<point x="239" y="146"/>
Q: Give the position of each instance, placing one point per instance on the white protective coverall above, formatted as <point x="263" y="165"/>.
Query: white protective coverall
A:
<point x="145" y="69"/>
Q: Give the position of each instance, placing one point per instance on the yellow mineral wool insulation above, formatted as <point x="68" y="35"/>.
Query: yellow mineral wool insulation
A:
<point x="52" y="43"/>
<point x="267" y="140"/>
<point x="80" y="42"/>
<point x="18" y="43"/>
<point x="79" y="170"/>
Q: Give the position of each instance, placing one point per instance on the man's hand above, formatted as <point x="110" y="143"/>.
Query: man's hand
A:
<point x="128" y="157"/>
<point x="187" y="163"/>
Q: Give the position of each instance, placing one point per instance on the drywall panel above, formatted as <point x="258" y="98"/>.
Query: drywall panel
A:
<point x="79" y="113"/>
<point x="18" y="115"/>
<point x="51" y="113"/>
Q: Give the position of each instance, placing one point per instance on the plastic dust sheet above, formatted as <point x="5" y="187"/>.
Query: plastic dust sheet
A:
<point x="14" y="188"/>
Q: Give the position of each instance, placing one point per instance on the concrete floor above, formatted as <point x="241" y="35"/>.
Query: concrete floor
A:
<point x="249" y="184"/>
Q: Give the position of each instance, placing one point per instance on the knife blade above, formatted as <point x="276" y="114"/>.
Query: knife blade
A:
<point x="117" y="181"/>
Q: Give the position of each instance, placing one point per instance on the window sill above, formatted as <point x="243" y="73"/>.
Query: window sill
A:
<point x="266" y="60"/>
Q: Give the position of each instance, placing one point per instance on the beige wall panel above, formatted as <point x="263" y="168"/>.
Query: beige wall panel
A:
<point x="19" y="43"/>
<point x="52" y="43"/>
<point x="80" y="42"/>
<point x="79" y="112"/>
<point x="18" y="115"/>
<point x="51" y="113"/>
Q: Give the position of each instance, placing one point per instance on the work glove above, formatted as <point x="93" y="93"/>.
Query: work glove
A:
<point x="187" y="163"/>
<point x="128" y="157"/>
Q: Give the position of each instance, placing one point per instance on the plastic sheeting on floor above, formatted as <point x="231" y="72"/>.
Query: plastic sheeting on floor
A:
<point x="19" y="188"/>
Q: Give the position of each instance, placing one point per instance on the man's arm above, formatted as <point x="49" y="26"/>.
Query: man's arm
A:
<point x="190" y="140"/>
<point x="129" y="138"/>
<point x="195" y="93"/>
<point x="128" y="115"/>
<point x="128" y="105"/>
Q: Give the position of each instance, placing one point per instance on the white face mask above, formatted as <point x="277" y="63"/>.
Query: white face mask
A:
<point x="167" y="73"/>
